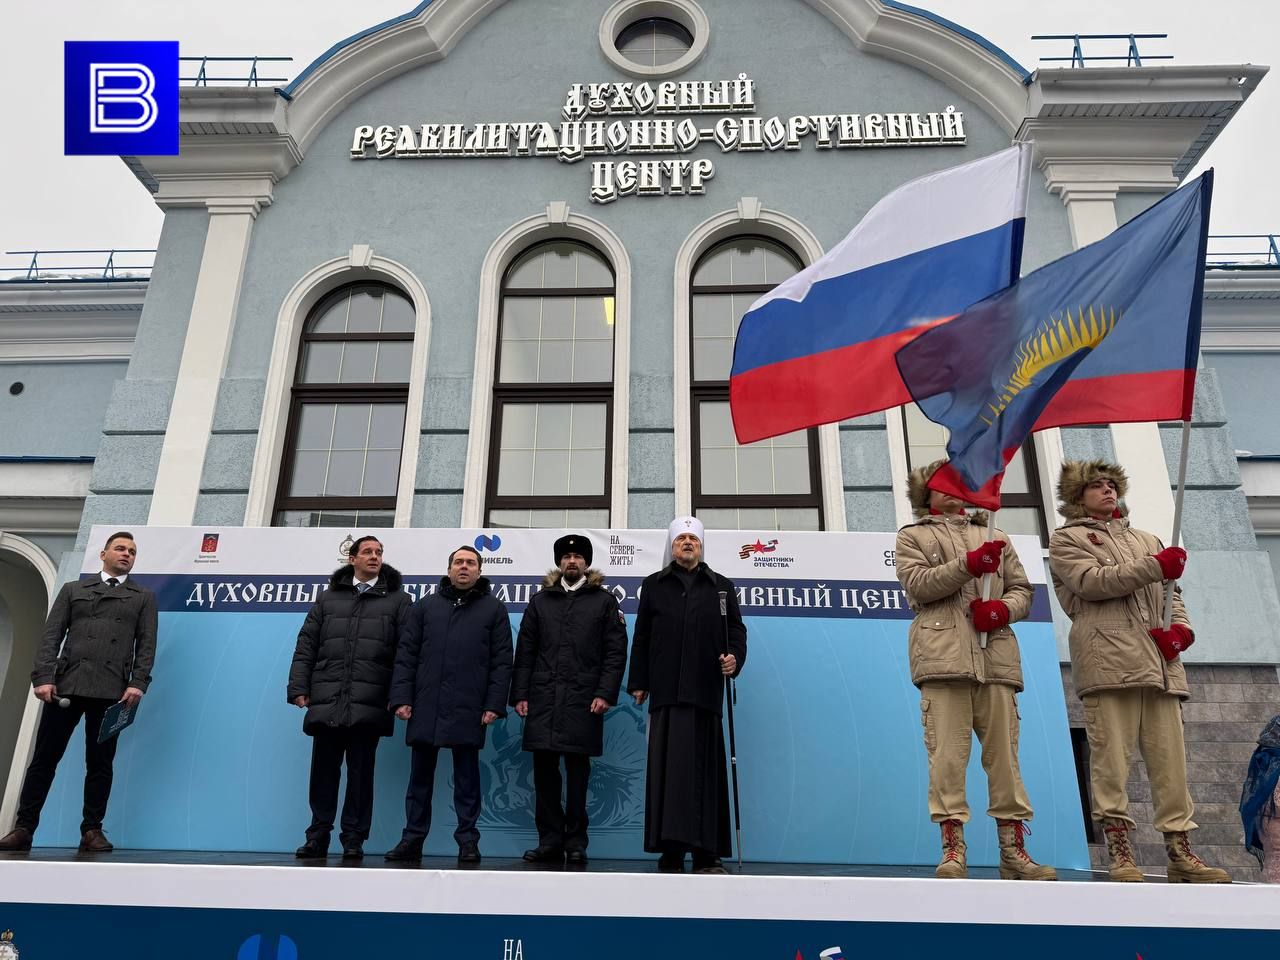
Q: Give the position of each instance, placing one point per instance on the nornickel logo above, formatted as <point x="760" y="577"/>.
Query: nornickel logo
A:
<point x="486" y="542"/>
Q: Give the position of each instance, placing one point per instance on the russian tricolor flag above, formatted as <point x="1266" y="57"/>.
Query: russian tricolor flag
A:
<point x="820" y="346"/>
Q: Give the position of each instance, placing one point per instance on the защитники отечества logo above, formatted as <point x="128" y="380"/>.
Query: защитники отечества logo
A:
<point x="120" y="97"/>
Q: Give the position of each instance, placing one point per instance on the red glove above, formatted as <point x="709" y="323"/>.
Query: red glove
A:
<point x="1172" y="560"/>
<point x="989" y="615"/>
<point x="986" y="559"/>
<point x="1172" y="641"/>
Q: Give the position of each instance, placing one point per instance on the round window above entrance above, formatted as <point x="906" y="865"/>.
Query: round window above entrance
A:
<point x="654" y="38"/>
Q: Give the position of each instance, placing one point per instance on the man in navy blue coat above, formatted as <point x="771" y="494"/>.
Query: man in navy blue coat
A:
<point x="451" y="679"/>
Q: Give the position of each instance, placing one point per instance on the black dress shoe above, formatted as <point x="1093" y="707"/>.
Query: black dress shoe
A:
<point x="671" y="863"/>
<point x="469" y="853"/>
<point x="408" y="851"/>
<point x="17" y="839"/>
<point x="542" y="854"/>
<point x="95" y="841"/>
<point x="353" y="851"/>
<point x="313" y="850"/>
<point x="708" y="865"/>
<point x="575" y="856"/>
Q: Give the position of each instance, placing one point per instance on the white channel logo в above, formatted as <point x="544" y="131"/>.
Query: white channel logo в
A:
<point x="103" y="94"/>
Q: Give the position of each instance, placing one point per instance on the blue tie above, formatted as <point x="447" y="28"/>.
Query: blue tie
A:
<point x="362" y="587"/>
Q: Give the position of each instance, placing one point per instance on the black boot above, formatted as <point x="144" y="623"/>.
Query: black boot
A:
<point x="317" y="848"/>
<point x="407" y="851"/>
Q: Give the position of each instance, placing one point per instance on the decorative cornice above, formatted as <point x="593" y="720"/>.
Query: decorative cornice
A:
<point x="21" y="297"/>
<point x="234" y="142"/>
<point x="69" y="322"/>
<point x="46" y="515"/>
<point x="36" y="479"/>
<point x="1241" y="312"/>
<point x="962" y="60"/>
<point x="1264" y="514"/>
<point x="1129" y="129"/>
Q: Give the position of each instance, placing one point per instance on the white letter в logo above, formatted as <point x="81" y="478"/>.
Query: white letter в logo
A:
<point x="102" y="96"/>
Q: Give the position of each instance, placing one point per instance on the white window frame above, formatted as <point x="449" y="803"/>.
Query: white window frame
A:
<point x="359" y="264"/>
<point x="555" y="223"/>
<point x="749" y="217"/>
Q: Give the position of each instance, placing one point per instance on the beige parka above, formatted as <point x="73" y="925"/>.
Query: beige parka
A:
<point x="1109" y="583"/>
<point x="943" y="642"/>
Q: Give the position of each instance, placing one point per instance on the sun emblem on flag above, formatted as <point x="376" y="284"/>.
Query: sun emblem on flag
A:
<point x="1058" y="338"/>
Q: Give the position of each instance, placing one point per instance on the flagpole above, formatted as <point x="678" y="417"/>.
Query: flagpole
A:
<point x="986" y="577"/>
<point x="1167" y="621"/>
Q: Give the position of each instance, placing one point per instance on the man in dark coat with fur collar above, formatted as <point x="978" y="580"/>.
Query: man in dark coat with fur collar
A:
<point x="570" y="655"/>
<point x="341" y="675"/>
<point x="966" y="687"/>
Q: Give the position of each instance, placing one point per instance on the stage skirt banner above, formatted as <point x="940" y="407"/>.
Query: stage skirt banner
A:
<point x="831" y="752"/>
<point x="226" y="912"/>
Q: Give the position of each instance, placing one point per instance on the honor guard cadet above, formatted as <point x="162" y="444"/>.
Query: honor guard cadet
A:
<point x="98" y="648"/>
<point x="570" y="655"/>
<point x="678" y="665"/>
<point x="1124" y="666"/>
<point x="965" y="687"/>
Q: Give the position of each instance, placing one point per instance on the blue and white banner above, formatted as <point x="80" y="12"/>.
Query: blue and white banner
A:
<point x="830" y="747"/>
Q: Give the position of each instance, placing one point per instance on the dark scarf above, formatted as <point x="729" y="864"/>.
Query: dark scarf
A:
<point x="1257" y="799"/>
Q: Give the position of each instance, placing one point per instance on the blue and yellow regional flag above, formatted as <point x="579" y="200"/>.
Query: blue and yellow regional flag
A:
<point x="1107" y="334"/>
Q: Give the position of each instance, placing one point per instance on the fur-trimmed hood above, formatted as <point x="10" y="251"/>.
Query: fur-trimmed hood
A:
<point x="918" y="494"/>
<point x="1078" y="474"/>
<point x="388" y="576"/>
<point x="594" y="578"/>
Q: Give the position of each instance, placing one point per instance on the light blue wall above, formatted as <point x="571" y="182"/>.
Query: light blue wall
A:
<point x="138" y="412"/>
<point x="1250" y="392"/>
<point x="1129" y="205"/>
<point x="439" y="217"/>
<point x="71" y="396"/>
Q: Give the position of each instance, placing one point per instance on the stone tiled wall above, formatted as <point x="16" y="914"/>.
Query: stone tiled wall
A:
<point x="1222" y="720"/>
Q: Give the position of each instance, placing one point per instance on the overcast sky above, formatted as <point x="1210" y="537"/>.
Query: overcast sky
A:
<point x="56" y="202"/>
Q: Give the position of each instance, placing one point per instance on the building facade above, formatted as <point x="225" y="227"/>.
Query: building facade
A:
<point x="481" y="265"/>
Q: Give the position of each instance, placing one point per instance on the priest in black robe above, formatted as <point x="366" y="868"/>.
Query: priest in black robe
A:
<point x="682" y="650"/>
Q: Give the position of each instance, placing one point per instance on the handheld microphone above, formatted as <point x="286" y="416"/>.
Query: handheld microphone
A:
<point x="63" y="702"/>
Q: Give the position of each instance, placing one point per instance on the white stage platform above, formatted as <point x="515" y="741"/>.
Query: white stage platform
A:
<point x="261" y="907"/>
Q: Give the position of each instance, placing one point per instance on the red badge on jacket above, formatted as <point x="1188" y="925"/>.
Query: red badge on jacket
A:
<point x="1095" y="539"/>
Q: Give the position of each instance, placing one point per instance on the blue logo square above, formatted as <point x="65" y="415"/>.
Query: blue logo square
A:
<point x="121" y="97"/>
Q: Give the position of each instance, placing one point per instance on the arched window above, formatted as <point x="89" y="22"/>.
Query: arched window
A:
<point x="551" y="439"/>
<point x="346" y="420"/>
<point x="770" y="485"/>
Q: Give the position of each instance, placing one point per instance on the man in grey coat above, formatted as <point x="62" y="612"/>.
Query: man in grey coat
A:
<point x="98" y="648"/>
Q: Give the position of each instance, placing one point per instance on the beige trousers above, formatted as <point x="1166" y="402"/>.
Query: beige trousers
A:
<point x="1116" y="720"/>
<point x="952" y="713"/>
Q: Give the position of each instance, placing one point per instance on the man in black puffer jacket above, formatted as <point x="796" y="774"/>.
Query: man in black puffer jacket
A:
<point x="341" y="675"/>
<point x="453" y="672"/>
<point x="570" y="656"/>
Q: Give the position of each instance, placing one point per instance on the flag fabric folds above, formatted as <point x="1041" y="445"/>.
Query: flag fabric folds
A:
<point x="819" y="347"/>
<point x="1110" y="333"/>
